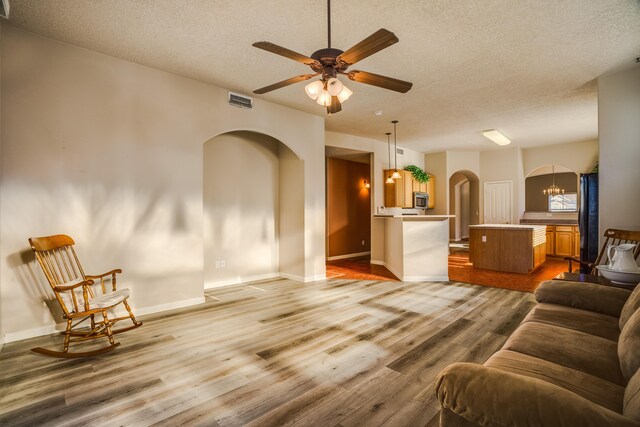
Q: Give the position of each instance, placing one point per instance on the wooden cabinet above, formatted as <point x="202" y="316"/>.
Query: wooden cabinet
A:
<point x="563" y="240"/>
<point x="551" y="241"/>
<point x="516" y="250"/>
<point x="400" y="193"/>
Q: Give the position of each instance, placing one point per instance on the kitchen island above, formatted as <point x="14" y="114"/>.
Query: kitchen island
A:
<point x="416" y="247"/>
<point x="507" y="247"/>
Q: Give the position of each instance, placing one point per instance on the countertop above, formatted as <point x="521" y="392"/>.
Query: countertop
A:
<point x="509" y="226"/>
<point x="549" y="221"/>
<point x="416" y="217"/>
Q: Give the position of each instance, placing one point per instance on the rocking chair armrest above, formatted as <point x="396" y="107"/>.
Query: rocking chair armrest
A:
<point x="574" y="259"/>
<point x="108" y="273"/>
<point x="63" y="288"/>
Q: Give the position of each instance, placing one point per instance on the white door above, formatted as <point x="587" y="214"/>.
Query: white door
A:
<point x="497" y="202"/>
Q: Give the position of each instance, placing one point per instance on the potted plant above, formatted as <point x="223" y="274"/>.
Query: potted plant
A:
<point x="418" y="174"/>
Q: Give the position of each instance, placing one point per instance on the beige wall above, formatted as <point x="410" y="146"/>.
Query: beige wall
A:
<point x="619" y="129"/>
<point x="292" y="217"/>
<point x="111" y="152"/>
<point x="436" y="165"/>
<point x="579" y="157"/>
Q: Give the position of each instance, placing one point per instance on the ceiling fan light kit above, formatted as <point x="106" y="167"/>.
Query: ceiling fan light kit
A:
<point x="329" y="63"/>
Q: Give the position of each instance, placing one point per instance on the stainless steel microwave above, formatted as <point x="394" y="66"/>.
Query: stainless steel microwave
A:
<point x="420" y="200"/>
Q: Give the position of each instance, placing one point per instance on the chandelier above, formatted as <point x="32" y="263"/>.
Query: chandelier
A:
<point x="553" y="189"/>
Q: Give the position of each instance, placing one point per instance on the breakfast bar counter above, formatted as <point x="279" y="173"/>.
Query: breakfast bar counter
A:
<point x="416" y="247"/>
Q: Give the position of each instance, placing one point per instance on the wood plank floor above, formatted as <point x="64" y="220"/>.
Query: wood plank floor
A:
<point x="271" y="353"/>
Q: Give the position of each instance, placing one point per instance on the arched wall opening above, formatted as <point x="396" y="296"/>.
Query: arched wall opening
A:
<point x="253" y="201"/>
<point x="464" y="203"/>
<point x="544" y="176"/>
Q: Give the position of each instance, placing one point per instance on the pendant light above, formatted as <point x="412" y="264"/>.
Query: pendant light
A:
<point x="395" y="174"/>
<point x="553" y="190"/>
<point x="389" y="178"/>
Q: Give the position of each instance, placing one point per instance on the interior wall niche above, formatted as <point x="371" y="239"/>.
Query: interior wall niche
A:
<point x="243" y="198"/>
<point x="536" y="200"/>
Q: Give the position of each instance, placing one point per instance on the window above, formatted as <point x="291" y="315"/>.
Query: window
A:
<point x="563" y="202"/>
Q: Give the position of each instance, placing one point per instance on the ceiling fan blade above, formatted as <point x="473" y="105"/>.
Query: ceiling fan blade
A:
<point x="284" y="83"/>
<point x="374" y="43"/>
<point x="287" y="53"/>
<point x="380" y="81"/>
<point x="335" y="107"/>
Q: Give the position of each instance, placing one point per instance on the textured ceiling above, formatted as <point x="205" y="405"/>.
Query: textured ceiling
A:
<point x="527" y="68"/>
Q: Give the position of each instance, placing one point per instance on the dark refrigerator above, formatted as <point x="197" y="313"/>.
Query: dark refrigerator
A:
<point x="588" y="219"/>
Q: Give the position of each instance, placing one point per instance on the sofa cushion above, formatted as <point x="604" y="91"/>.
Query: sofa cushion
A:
<point x="597" y="390"/>
<point x="631" y="403"/>
<point x="630" y="306"/>
<point x="598" y="324"/>
<point x="574" y="349"/>
<point x="585" y="296"/>
<point x="629" y="346"/>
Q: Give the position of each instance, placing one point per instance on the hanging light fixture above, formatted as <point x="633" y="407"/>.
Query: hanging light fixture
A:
<point x="389" y="178"/>
<point x="553" y="189"/>
<point x="395" y="174"/>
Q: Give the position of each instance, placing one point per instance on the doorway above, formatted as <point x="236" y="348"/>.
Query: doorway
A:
<point x="464" y="200"/>
<point x="497" y="202"/>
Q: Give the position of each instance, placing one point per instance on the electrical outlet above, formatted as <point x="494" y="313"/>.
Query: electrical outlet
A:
<point x="223" y="264"/>
<point x="217" y="263"/>
<point x="363" y="243"/>
<point x="484" y="239"/>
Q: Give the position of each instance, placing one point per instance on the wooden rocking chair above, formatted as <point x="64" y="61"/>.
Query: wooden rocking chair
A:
<point x="612" y="237"/>
<point x="77" y="297"/>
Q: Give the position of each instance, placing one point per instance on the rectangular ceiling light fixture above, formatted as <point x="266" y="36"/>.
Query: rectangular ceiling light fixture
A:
<point x="496" y="137"/>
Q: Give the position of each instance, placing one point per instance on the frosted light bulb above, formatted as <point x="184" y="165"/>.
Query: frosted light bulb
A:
<point x="314" y="89"/>
<point x="324" y="99"/>
<point x="345" y="94"/>
<point x="334" y="86"/>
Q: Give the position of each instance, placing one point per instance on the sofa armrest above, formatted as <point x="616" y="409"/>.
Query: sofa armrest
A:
<point x="585" y="296"/>
<point x="489" y="396"/>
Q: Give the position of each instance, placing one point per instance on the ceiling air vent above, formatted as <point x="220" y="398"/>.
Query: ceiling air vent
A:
<point x="400" y="151"/>
<point x="4" y="9"/>
<point x="240" y="101"/>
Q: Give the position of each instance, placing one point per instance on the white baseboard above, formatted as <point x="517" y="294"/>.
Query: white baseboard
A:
<point x="316" y="278"/>
<point x="32" y="333"/>
<point x="293" y="277"/>
<point x="241" y="279"/>
<point x="51" y="329"/>
<point x="166" y="307"/>
<point x="376" y="262"/>
<point x="337" y="257"/>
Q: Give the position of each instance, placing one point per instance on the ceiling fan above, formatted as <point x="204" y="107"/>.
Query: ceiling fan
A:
<point x="329" y="91"/>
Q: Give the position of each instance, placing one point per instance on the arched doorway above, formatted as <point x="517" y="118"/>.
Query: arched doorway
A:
<point x="464" y="203"/>
<point x="253" y="201"/>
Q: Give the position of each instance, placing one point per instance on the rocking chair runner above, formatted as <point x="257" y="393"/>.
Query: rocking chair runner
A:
<point x="75" y="292"/>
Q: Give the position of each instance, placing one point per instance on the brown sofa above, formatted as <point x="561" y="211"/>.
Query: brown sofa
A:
<point x="573" y="361"/>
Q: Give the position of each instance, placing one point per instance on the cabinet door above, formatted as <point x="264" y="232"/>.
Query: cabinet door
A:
<point x="564" y="243"/>
<point x="431" y="190"/>
<point x="415" y="185"/>
<point x="407" y="189"/>
<point x="390" y="192"/>
<point x="423" y="187"/>
<point x="576" y="241"/>
<point x="551" y="242"/>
